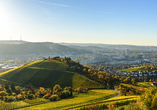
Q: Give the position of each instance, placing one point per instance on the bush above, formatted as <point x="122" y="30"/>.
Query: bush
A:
<point x="53" y="97"/>
<point x="111" y="105"/>
<point x="80" y="89"/>
<point x="65" y="94"/>
<point x="30" y="96"/>
<point x="47" y="96"/>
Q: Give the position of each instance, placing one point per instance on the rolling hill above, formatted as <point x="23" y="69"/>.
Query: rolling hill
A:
<point x="16" y="48"/>
<point x="47" y="73"/>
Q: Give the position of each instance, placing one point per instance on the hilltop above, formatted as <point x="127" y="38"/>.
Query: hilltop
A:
<point x="22" y="47"/>
<point x="47" y="73"/>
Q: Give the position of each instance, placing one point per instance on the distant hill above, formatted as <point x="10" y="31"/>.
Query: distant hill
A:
<point x="47" y="73"/>
<point x="12" y="41"/>
<point x="112" y="46"/>
<point x="11" y="48"/>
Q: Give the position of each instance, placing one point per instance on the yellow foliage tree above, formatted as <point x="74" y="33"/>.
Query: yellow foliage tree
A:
<point x="3" y="93"/>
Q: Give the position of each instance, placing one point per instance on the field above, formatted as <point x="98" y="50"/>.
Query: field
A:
<point x="36" y="100"/>
<point x="144" y="84"/>
<point x="104" y="91"/>
<point x="48" y="73"/>
<point x="122" y="100"/>
<point x="10" y="82"/>
<point x="135" y="87"/>
<point x="79" y="99"/>
<point x="12" y="105"/>
<point x="131" y="106"/>
<point x="134" y="69"/>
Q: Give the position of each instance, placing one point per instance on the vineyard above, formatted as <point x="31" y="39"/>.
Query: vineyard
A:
<point x="121" y="100"/>
<point x="79" y="99"/>
<point x="47" y="73"/>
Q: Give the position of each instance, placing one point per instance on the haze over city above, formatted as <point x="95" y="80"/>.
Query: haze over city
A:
<point x="91" y="21"/>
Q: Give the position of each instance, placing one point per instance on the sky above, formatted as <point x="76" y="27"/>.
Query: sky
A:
<point x="80" y="21"/>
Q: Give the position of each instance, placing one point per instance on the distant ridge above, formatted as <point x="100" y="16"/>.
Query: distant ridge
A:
<point x="22" y="47"/>
<point x="112" y="46"/>
<point x="12" y="41"/>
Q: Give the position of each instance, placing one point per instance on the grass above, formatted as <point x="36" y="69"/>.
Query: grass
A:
<point x="142" y="68"/>
<point x="10" y="82"/>
<point x="12" y="105"/>
<point x="104" y="91"/>
<point x="82" y="98"/>
<point x="36" y="100"/>
<point x="144" y="84"/>
<point x="114" y="99"/>
<point x="48" y="73"/>
<point x="133" y="86"/>
<point x="131" y="106"/>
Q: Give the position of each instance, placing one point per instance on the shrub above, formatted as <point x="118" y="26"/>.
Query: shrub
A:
<point x="46" y="96"/>
<point x="30" y="96"/>
<point x="65" y="94"/>
<point x="111" y="105"/>
<point x="80" y="89"/>
<point x="122" y="92"/>
<point x="53" y="97"/>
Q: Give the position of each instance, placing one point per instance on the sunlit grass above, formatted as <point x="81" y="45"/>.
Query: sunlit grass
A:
<point x="12" y="105"/>
<point x="142" y="68"/>
<point x="36" y="100"/>
<point x="144" y="84"/>
<point x="105" y="91"/>
<point x="82" y="98"/>
<point x="114" y="99"/>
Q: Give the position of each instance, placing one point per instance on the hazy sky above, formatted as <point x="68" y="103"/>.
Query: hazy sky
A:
<point x="80" y="21"/>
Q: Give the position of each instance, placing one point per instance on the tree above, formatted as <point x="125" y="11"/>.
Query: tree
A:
<point x="6" y="86"/>
<point x="84" y="70"/>
<point x="70" y="89"/>
<point x="57" y="88"/>
<point x="148" y="100"/>
<point x="111" y="105"/>
<point x="3" y="93"/>
<point x="133" y="81"/>
<point x="146" y="67"/>
<point x="80" y="89"/>
<point x="12" y="87"/>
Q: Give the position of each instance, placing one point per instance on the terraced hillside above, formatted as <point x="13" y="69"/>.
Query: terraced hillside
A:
<point x="47" y="73"/>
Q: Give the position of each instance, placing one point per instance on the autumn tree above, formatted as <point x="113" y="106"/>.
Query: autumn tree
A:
<point x="3" y="93"/>
<point x="148" y="100"/>
<point x="57" y="88"/>
<point x="80" y="89"/>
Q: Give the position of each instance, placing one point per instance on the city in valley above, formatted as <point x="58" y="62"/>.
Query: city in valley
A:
<point x="78" y="55"/>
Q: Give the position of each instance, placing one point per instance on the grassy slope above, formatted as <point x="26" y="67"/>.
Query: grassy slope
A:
<point x="135" y="87"/>
<point x="144" y="84"/>
<point x="83" y="98"/>
<point x="134" y="69"/>
<point x="107" y="101"/>
<point x="47" y="73"/>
